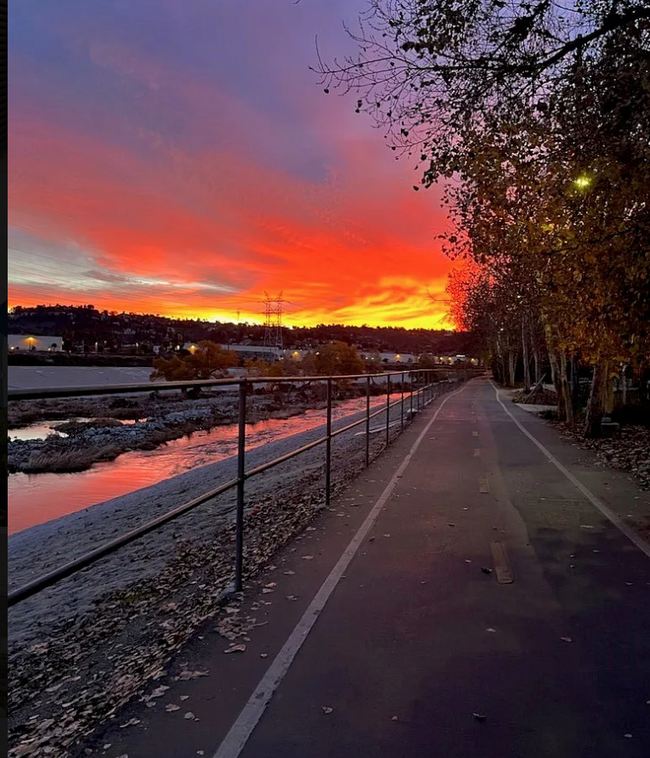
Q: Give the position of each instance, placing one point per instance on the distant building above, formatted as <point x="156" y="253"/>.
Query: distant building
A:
<point x="243" y="351"/>
<point x="404" y="358"/>
<point x="40" y="342"/>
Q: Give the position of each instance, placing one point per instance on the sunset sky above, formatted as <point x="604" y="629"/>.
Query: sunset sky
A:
<point x="178" y="157"/>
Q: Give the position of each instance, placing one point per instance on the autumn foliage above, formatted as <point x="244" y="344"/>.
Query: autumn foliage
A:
<point x="537" y="118"/>
<point x="207" y="361"/>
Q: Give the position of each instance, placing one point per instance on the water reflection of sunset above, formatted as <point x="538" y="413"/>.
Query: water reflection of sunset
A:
<point x="38" y="498"/>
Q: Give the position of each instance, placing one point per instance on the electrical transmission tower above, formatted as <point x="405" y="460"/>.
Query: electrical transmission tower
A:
<point x="273" y="320"/>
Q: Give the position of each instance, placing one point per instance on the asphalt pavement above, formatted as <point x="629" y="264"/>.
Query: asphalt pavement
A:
<point x="478" y="592"/>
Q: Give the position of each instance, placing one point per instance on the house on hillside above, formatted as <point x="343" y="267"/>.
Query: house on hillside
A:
<point x="391" y="358"/>
<point x="40" y="342"/>
<point x="260" y="352"/>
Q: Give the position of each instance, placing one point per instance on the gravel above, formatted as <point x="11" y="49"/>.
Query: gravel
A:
<point x="105" y="438"/>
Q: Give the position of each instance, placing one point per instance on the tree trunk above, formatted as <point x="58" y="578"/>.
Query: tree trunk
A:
<point x="525" y="357"/>
<point x="535" y="346"/>
<point x="559" y="375"/>
<point x="623" y="386"/>
<point x="552" y="359"/>
<point x="564" y="391"/>
<point x="536" y="365"/>
<point x="601" y="399"/>
<point x="512" y="367"/>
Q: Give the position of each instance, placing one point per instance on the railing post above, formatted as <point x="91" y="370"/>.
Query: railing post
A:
<point x="387" y="410"/>
<point x="241" y="470"/>
<point x="328" y="443"/>
<point x="402" y="404"/>
<point x="367" y="421"/>
<point x="410" y="396"/>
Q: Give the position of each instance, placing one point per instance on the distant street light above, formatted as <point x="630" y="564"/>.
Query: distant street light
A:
<point x="582" y="182"/>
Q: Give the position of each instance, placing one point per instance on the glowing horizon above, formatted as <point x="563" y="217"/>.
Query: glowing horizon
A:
<point x="152" y="170"/>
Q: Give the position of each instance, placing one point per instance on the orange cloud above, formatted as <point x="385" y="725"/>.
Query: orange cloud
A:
<point x="204" y="232"/>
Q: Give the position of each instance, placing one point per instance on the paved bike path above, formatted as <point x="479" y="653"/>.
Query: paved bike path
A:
<point x="417" y="651"/>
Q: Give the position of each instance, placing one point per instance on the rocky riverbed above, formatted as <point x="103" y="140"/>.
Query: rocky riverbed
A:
<point x="157" y="419"/>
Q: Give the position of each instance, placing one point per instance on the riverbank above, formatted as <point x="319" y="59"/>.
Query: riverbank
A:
<point x="158" y="418"/>
<point x="79" y="649"/>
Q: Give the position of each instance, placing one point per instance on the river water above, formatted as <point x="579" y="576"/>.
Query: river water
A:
<point x="36" y="498"/>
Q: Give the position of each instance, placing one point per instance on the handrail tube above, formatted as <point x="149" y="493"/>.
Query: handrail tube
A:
<point x="40" y="583"/>
<point x="367" y="422"/>
<point x="241" y="478"/>
<point x="283" y="458"/>
<point x="388" y="411"/>
<point x="362" y="420"/>
<point x="122" y="389"/>
<point x="52" y="577"/>
<point x="328" y="443"/>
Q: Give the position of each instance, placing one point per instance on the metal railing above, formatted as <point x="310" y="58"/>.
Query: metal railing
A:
<point x="422" y="390"/>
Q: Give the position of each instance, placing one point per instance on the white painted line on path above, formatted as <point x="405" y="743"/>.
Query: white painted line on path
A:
<point x="595" y="501"/>
<point x="251" y="713"/>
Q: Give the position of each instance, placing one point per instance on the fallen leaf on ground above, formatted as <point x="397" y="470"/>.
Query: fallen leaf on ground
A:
<point x="171" y="707"/>
<point x="183" y="697"/>
<point x="289" y="573"/>
<point x="307" y="557"/>
<point x="486" y="570"/>
<point x="327" y="709"/>
<point x="479" y="716"/>
<point x="271" y="584"/>
<point x="235" y="649"/>
<point x="185" y="675"/>
<point x="130" y="722"/>
<point x="189" y="715"/>
<point x="490" y="629"/>
<point x="566" y="639"/>
<point x="159" y="691"/>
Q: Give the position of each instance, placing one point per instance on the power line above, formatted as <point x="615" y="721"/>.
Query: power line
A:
<point x="273" y="320"/>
